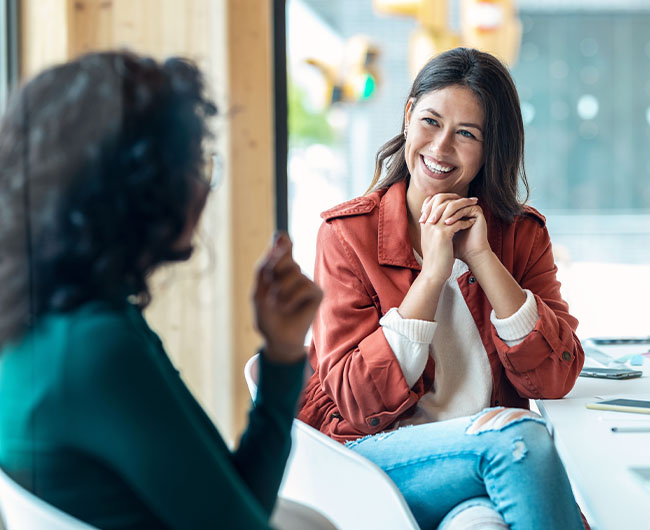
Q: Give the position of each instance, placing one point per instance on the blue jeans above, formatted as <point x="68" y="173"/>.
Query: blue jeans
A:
<point x="439" y="465"/>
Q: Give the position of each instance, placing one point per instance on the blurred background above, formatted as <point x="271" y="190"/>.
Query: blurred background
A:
<point x="582" y="68"/>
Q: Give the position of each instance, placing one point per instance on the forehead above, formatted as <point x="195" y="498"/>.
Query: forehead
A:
<point x="452" y="101"/>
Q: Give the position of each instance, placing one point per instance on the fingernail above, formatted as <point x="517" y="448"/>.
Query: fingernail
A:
<point x="474" y="198"/>
<point x="422" y="217"/>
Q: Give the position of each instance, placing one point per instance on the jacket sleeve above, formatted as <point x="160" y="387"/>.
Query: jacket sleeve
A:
<point x="357" y="367"/>
<point x="546" y="364"/>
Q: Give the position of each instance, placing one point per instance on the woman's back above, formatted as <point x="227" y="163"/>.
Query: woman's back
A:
<point x="95" y="420"/>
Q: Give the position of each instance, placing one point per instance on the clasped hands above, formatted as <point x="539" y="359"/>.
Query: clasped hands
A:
<point x="451" y="227"/>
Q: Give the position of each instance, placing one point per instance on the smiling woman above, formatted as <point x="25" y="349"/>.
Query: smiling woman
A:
<point x="447" y="305"/>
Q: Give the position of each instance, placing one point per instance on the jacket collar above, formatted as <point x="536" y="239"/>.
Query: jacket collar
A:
<point x="393" y="241"/>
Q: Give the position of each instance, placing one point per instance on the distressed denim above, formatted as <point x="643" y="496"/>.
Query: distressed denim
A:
<point x="438" y="466"/>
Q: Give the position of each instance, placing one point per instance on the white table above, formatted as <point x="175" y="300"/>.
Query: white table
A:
<point x="596" y="459"/>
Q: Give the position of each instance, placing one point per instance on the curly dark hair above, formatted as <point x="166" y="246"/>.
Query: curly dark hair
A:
<point x="496" y="184"/>
<point x="99" y="163"/>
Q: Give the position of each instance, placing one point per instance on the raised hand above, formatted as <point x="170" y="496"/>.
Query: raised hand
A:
<point x="285" y="303"/>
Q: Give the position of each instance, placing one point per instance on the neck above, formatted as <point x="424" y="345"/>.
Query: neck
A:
<point x="414" y="211"/>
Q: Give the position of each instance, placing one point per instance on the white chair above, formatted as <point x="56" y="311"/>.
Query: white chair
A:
<point x="22" y="510"/>
<point x="347" y="488"/>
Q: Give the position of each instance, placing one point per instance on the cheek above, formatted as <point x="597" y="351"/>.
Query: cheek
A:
<point x="474" y="159"/>
<point x="408" y="155"/>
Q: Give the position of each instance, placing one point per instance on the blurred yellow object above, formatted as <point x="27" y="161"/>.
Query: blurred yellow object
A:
<point x="431" y="14"/>
<point x="356" y="77"/>
<point x="488" y="25"/>
<point x="492" y="26"/>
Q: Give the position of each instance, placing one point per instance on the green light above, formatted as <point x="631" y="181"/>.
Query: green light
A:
<point x="368" y="87"/>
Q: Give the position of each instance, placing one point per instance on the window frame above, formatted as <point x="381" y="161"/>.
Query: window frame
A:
<point x="9" y="64"/>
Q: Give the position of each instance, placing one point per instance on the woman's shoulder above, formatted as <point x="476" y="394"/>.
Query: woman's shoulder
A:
<point x="93" y="330"/>
<point x="362" y="205"/>
<point x="528" y="212"/>
<point x="527" y="219"/>
<point x="96" y="315"/>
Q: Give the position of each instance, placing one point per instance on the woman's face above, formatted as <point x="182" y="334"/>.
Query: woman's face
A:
<point x="182" y="248"/>
<point x="444" y="141"/>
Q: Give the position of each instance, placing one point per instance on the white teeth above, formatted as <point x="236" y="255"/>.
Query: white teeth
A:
<point x="435" y="167"/>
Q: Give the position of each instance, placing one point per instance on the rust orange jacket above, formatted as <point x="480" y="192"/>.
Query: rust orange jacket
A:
<point x="365" y="265"/>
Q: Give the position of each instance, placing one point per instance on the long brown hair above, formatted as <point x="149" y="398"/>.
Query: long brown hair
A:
<point x="496" y="183"/>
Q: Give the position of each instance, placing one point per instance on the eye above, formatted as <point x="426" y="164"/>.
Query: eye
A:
<point x="430" y="121"/>
<point x="466" y="134"/>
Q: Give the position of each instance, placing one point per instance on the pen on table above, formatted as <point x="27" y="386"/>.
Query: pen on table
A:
<point x="631" y="429"/>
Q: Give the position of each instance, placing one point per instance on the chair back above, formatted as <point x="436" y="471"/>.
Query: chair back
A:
<point x="350" y="490"/>
<point x="22" y="510"/>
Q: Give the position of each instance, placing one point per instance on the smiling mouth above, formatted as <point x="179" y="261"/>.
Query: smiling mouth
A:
<point x="437" y="168"/>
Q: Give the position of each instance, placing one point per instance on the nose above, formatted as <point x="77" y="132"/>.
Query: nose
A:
<point x="442" y="143"/>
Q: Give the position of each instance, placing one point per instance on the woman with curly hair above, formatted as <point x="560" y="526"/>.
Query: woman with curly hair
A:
<point x="102" y="180"/>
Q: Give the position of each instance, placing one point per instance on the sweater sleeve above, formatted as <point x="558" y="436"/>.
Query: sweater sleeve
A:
<point x="515" y="328"/>
<point x="129" y="408"/>
<point x="410" y="339"/>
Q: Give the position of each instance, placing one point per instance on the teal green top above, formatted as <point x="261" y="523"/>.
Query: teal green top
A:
<point x="95" y="420"/>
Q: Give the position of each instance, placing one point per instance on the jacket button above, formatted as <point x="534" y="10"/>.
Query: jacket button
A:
<point x="496" y="402"/>
<point x="566" y="356"/>
<point x="472" y="280"/>
<point x="373" y="422"/>
<point x="335" y="415"/>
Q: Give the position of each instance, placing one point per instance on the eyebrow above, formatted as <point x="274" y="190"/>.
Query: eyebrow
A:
<point x="466" y="124"/>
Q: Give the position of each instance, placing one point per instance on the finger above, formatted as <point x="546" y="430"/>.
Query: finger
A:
<point x="426" y="208"/>
<point x="462" y="224"/>
<point x="438" y="204"/>
<point x="439" y="198"/>
<point x="304" y="297"/>
<point x="283" y="288"/>
<point x="280" y="247"/>
<point x="280" y="253"/>
<point x="470" y="210"/>
<point x="449" y="208"/>
<point x="464" y="212"/>
<point x="437" y="212"/>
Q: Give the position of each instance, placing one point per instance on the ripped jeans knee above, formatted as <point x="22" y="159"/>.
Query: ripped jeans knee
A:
<point x="522" y="426"/>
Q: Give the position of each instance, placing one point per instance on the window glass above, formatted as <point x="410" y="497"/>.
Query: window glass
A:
<point x="583" y="75"/>
<point x="4" y="55"/>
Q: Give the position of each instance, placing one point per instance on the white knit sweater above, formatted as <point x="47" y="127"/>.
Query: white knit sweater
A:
<point x="463" y="379"/>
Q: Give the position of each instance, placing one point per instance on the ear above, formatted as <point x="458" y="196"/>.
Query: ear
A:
<point x="407" y="112"/>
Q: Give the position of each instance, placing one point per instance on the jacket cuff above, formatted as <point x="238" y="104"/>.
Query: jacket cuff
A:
<point x="515" y="328"/>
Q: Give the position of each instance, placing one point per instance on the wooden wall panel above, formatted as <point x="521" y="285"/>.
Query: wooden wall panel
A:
<point x="43" y="34"/>
<point x="250" y="82"/>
